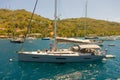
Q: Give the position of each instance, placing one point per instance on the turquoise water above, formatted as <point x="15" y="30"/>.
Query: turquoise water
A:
<point x="15" y="70"/>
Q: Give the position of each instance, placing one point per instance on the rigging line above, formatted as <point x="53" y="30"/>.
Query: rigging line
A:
<point x="29" y="25"/>
<point x="59" y="9"/>
<point x="85" y="28"/>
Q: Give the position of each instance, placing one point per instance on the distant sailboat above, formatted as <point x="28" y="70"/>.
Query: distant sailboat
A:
<point x="82" y="52"/>
<point x="45" y="38"/>
<point x="92" y="37"/>
<point x="109" y="38"/>
<point x="15" y="39"/>
<point x="44" y="35"/>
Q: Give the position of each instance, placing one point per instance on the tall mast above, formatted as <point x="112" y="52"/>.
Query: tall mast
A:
<point x="85" y="33"/>
<point x="55" y="23"/>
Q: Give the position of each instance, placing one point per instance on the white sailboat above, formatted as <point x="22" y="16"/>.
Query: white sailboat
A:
<point x="83" y="51"/>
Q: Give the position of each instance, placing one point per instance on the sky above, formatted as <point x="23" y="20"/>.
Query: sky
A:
<point x="97" y="9"/>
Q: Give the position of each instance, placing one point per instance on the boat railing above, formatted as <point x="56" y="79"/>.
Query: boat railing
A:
<point x="104" y="52"/>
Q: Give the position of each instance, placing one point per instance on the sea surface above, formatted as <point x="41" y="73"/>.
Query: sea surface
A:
<point x="12" y="69"/>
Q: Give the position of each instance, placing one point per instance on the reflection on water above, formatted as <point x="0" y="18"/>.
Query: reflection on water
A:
<point x="67" y="71"/>
<point x="70" y="76"/>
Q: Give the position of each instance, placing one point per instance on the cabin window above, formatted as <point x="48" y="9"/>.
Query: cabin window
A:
<point x="61" y="58"/>
<point x="87" y="58"/>
<point x="35" y="57"/>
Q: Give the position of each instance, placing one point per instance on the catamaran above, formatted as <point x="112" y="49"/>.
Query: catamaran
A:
<point x="81" y="51"/>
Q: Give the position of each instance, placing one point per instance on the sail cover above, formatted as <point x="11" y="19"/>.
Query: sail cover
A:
<point x="74" y="40"/>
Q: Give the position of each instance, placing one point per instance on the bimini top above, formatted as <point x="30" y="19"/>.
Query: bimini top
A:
<point x="74" y="40"/>
<point x="89" y="46"/>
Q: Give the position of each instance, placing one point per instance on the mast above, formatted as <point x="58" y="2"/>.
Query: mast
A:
<point x="55" y="23"/>
<point x="85" y="28"/>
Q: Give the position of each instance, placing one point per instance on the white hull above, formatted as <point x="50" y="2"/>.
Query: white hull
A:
<point x="58" y="57"/>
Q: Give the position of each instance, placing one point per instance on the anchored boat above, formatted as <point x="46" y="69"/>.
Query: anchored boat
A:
<point x="82" y="51"/>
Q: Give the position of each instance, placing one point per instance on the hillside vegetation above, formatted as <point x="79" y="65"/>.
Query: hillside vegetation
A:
<point x="16" y="22"/>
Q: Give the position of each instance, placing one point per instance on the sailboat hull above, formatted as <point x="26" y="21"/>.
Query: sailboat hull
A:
<point x="59" y="58"/>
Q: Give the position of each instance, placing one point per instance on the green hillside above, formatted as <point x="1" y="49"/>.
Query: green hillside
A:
<point x="16" y="22"/>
